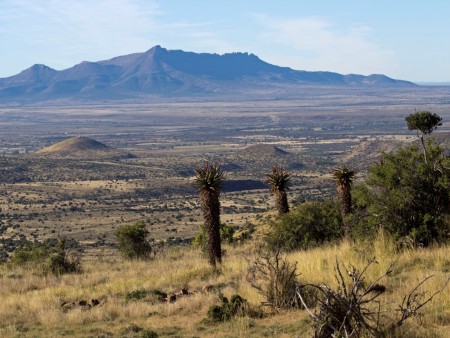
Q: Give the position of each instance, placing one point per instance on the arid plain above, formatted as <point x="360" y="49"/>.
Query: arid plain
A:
<point x="86" y="197"/>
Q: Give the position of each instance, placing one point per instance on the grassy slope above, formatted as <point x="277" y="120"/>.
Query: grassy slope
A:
<point x="30" y="304"/>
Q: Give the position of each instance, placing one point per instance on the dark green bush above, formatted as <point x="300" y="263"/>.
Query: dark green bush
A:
<point x="63" y="261"/>
<point x="307" y="225"/>
<point x="133" y="240"/>
<point x="228" y="309"/>
<point x="153" y="296"/>
<point x="226" y="236"/>
<point x="158" y="295"/>
<point x="149" y="333"/>
<point x="136" y="294"/>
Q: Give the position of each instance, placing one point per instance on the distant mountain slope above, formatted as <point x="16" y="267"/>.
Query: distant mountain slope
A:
<point x="166" y="73"/>
<point x="81" y="147"/>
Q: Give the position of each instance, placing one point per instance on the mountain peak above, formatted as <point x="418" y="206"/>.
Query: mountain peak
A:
<point x="156" y="47"/>
<point x="40" y="66"/>
<point x="156" y="50"/>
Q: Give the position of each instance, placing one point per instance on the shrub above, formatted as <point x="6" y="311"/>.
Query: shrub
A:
<point x="149" y="333"/>
<point x="152" y="296"/>
<point x="134" y="330"/>
<point x="228" y="309"/>
<point x="31" y="254"/>
<point x="275" y="279"/>
<point x="63" y="261"/>
<point x="226" y="235"/>
<point x="132" y="240"/>
<point x="353" y="309"/>
<point x="136" y="294"/>
<point x="47" y="257"/>
<point x="309" y="224"/>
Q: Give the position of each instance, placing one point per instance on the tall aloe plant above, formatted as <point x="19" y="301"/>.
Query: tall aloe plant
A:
<point x="278" y="182"/>
<point x="209" y="179"/>
<point x="343" y="178"/>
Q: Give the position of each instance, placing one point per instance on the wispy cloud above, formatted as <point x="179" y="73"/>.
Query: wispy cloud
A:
<point x="314" y="43"/>
<point x="61" y="33"/>
<point x="57" y="32"/>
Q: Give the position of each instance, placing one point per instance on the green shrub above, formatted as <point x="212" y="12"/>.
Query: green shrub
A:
<point x="134" y="330"/>
<point x="31" y="254"/>
<point x="226" y="236"/>
<point x="158" y="295"/>
<point x="136" y="294"/>
<point x="228" y="309"/>
<point x="47" y="257"/>
<point x="308" y="224"/>
<point x="407" y="195"/>
<point x="133" y="240"/>
<point x="63" y="261"/>
<point x="149" y="333"/>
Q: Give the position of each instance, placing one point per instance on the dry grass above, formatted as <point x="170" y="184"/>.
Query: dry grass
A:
<point x="31" y="303"/>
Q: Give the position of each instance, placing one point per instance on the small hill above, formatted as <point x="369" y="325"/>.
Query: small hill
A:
<point x="83" y="148"/>
<point x="262" y="150"/>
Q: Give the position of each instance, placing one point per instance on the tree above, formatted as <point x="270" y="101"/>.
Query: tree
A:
<point x="424" y="122"/>
<point x="409" y="196"/>
<point x="343" y="179"/>
<point x="278" y="182"/>
<point x="209" y="179"/>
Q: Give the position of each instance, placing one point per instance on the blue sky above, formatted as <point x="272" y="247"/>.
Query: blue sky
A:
<point x="403" y="39"/>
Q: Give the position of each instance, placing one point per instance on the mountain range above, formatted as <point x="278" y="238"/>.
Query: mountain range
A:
<point x="159" y="72"/>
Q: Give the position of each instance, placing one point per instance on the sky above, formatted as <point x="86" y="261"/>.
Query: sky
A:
<point x="404" y="39"/>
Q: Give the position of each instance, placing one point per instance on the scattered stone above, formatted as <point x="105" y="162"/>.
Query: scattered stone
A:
<point x="81" y="304"/>
<point x="207" y="288"/>
<point x="171" y="298"/>
<point x="93" y="302"/>
<point x="178" y="294"/>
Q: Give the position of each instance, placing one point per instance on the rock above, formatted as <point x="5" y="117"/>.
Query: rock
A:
<point x="65" y="306"/>
<point x="207" y="288"/>
<point x="171" y="298"/>
<point x="182" y="292"/>
<point x="93" y="302"/>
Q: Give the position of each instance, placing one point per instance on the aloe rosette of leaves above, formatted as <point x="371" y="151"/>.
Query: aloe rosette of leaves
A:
<point x="279" y="181"/>
<point x="209" y="179"/>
